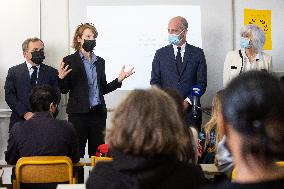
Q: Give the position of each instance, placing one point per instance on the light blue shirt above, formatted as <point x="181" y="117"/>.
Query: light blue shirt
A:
<point x="90" y="68"/>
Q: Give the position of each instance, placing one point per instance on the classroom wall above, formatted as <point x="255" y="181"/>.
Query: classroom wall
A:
<point x="54" y="32"/>
<point x="218" y="34"/>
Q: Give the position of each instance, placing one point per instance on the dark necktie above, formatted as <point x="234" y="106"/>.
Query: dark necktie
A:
<point x="34" y="76"/>
<point x="179" y="60"/>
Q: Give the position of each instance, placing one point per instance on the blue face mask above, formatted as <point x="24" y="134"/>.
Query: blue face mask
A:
<point x="245" y="43"/>
<point x="174" y="38"/>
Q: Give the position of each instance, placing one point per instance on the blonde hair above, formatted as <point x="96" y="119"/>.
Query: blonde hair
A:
<point x="79" y="32"/>
<point x="212" y="123"/>
<point x="147" y="123"/>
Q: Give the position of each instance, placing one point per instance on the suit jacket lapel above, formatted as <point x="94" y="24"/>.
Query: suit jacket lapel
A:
<point x="25" y="75"/>
<point x="81" y="65"/>
<point x="172" y="59"/>
<point x="185" y="59"/>
<point x="41" y="74"/>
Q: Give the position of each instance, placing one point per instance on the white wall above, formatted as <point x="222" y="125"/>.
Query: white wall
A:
<point x="17" y="24"/>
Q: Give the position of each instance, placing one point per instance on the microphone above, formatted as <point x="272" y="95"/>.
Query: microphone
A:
<point x="195" y="93"/>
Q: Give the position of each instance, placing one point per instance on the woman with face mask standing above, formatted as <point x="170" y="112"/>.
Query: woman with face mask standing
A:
<point x="249" y="57"/>
<point x="82" y="74"/>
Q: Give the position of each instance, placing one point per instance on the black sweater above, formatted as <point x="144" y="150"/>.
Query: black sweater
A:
<point x="135" y="172"/>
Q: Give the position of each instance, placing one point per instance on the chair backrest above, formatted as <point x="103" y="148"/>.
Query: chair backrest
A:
<point x="44" y="169"/>
<point x="95" y="160"/>
<point x="280" y="163"/>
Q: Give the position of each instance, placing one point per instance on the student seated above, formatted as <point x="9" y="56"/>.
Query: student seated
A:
<point x="210" y="136"/>
<point x="253" y="122"/>
<point x="42" y="135"/>
<point x="190" y="130"/>
<point x="148" y="143"/>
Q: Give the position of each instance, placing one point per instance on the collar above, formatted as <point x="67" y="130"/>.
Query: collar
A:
<point x="128" y="162"/>
<point x="142" y="170"/>
<point x="83" y="57"/>
<point x="42" y="114"/>
<point x="182" y="47"/>
<point x="30" y="66"/>
<point x="256" y="58"/>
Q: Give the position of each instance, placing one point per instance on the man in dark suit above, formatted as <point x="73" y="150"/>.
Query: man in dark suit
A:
<point x="22" y="78"/>
<point x="42" y="135"/>
<point x="180" y="66"/>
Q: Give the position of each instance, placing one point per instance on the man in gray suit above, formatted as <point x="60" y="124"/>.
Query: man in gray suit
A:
<point x="180" y="66"/>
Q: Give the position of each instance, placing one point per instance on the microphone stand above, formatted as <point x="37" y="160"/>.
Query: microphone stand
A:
<point x="204" y="111"/>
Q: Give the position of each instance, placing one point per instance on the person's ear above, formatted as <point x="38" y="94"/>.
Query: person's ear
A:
<point x="52" y="107"/>
<point x="25" y="54"/>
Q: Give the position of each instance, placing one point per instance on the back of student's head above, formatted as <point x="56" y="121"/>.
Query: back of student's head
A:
<point x="42" y="96"/>
<point x="253" y="105"/>
<point x="177" y="99"/>
<point x="147" y="123"/>
<point x="188" y="149"/>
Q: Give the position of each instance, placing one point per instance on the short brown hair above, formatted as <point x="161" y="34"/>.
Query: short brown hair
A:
<point x="79" y="32"/>
<point x="25" y="45"/>
<point x="147" y="123"/>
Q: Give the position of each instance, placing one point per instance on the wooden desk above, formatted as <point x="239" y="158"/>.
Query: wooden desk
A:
<point x="210" y="169"/>
<point x="71" y="186"/>
<point x="83" y="162"/>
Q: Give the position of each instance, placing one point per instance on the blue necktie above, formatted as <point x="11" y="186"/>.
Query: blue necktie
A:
<point x="179" y="60"/>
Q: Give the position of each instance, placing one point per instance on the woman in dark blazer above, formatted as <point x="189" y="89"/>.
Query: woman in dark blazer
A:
<point x="82" y="75"/>
<point x="148" y="146"/>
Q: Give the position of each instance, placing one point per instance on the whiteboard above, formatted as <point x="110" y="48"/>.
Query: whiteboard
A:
<point x="19" y="20"/>
<point x="130" y="36"/>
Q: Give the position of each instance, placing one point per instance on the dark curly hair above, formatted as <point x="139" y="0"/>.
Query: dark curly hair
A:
<point x="42" y="96"/>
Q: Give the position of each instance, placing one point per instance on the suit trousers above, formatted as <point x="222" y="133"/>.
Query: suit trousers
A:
<point x="89" y="126"/>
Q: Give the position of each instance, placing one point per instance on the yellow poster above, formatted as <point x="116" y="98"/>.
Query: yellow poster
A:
<point x="262" y="18"/>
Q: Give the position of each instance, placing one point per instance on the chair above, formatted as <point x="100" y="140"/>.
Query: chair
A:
<point x="95" y="160"/>
<point x="280" y="163"/>
<point x="43" y="169"/>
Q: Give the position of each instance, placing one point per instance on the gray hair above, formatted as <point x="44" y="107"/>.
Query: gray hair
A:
<point x="258" y="36"/>
<point x="25" y="45"/>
